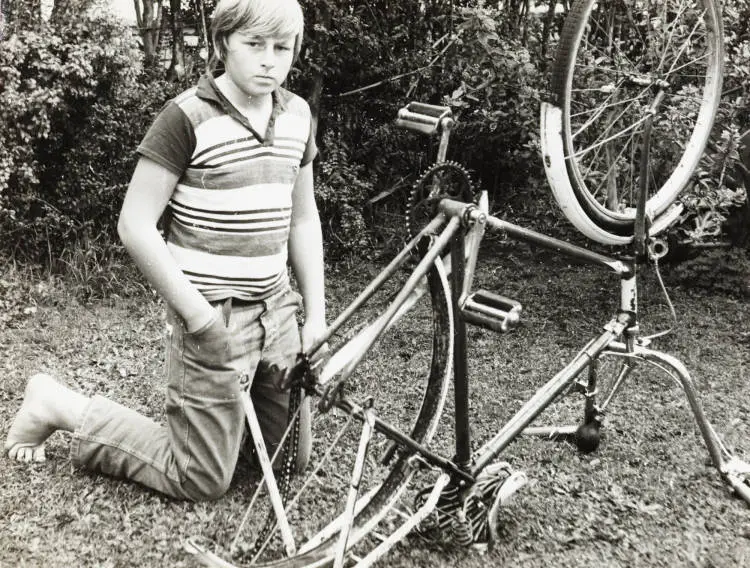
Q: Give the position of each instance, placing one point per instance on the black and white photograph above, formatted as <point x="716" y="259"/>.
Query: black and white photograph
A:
<point x="354" y="283"/>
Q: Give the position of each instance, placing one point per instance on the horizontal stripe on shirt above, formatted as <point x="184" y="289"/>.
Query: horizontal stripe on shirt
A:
<point x="229" y="243"/>
<point x="249" y="147"/>
<point x="242" y="198"/>
<point x="227" y="266"/>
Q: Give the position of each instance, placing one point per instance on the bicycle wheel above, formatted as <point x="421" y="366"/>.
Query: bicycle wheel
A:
<point x="405" y="375"/>
<point x="615" y="61"/>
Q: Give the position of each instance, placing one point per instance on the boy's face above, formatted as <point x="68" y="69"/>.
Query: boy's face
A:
<point x="258" y="64"/>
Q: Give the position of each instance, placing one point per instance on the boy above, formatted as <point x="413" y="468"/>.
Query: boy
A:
<point x="231" y="162"/>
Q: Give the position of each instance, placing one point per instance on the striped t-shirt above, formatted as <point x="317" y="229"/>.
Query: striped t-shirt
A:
<point x="230" y="212"/>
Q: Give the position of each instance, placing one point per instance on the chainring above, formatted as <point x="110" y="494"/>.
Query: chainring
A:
<point x="444" y="180"/>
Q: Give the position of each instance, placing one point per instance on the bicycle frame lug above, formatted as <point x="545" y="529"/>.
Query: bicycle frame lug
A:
<point x="473" y="215"/>
<point x="621" y="322"/>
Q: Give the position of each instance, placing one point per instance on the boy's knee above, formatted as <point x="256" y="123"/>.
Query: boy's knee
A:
<point x="207" y="486"/>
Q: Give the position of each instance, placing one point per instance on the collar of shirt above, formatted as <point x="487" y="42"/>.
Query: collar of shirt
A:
<point x="208" y="90"/>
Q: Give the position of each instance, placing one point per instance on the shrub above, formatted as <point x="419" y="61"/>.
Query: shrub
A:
<point x="717" y="208"/>
<point x="74" y="104"/>
<point x="341" y="187"/>
<point x="496" y="88"/>
<point x="55" y="80"/>
<point x="451" y="53"/>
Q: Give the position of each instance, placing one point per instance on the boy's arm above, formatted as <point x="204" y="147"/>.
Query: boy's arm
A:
<point x="306" y="255"/>
<point x="148" y="194"/>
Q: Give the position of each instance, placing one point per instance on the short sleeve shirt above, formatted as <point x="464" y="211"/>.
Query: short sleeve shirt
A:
<point x="230" y="212"/>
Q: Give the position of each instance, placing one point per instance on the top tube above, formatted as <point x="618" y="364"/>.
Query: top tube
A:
<point x="467" y="210"/>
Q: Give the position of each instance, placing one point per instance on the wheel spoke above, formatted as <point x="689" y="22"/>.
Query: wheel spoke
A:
<point x="672" y="29"/>
<point x="615" y="161"/>
<point x="600" y="141"/>
<point x="701" y="58"/>
<point x="615" y="58"/>
<point x="404" y="379"/>
<point x="598" y="111"/>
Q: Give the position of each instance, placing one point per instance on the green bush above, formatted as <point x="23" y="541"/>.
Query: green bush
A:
<point x="496" y="84"/>
<point x="341" y="187"/>
<point x="74" y="103"/>
<point x="490" y="66"/>
<point x="462" y="54"/>
<point x="56" y="81"/>
<point x="717" y="210"/>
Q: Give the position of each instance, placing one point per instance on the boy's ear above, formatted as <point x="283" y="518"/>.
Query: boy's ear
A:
<point x="220" y="48"/>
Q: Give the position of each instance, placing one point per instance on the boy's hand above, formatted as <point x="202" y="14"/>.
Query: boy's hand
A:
<point x="201" y="320"/>
<point x="311" y="332"/>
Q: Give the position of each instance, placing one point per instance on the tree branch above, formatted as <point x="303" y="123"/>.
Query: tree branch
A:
<point x="400" y="76"/>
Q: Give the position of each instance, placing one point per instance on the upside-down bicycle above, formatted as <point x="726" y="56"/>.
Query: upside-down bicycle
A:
<point x="635" y="89"/>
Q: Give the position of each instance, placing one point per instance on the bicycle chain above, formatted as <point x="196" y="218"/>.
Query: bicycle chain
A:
<point x="293" y="380"/>
<point x="440" y="181"/>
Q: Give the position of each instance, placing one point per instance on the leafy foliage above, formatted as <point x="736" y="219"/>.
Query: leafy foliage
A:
<point x="490" y="82"/>
<point x="56" y="80"/>
<point x="466" y="55"/>
<point x="497" y="89"/>
<point x="717" y="196"/>
<point x="75" y="102"/>
<point x="717" y="203"/>
<point x="341" y="187"/>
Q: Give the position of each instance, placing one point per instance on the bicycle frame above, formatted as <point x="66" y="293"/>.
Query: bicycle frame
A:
<point x="452" y="238"/>
<point x="459" y="229"/>
<point x="456" y="234"/>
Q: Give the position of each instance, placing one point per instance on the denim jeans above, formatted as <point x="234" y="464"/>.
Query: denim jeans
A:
<point x="195" y="454"/>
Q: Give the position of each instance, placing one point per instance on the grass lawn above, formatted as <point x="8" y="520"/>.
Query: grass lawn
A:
<point x="647" y="497"/>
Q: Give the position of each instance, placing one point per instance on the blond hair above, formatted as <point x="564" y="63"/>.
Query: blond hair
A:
<point x="258" y="17"/>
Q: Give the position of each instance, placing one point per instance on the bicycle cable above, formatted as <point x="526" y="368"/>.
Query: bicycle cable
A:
<point x="672" y="311"/>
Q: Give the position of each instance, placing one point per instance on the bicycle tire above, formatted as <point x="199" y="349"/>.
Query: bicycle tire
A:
<point x="602" y="80"/>
<point x="395" y="477"/>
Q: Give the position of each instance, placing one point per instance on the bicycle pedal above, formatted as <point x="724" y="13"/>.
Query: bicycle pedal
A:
<point x="424" y="118"/>
<point x="492" y="311"/>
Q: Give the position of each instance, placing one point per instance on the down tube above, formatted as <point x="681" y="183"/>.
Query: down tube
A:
<point x="419" y="272"/>
<point x="545" y="395"/>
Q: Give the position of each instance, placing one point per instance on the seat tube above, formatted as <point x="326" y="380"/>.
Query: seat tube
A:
<point x="460" y="364"/>
<point x="629" y="290"/>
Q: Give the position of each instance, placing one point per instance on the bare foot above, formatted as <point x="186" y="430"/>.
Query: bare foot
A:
<point x="36" y="420"/>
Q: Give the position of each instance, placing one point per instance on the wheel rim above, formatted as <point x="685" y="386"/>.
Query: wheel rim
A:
<point x="607" y="94"/>
<point x="407" y="376"/>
